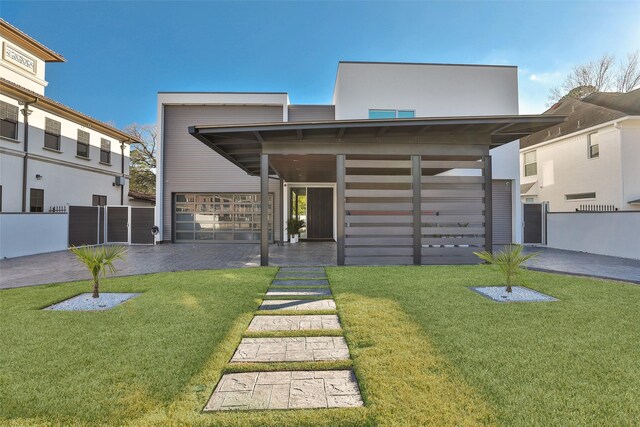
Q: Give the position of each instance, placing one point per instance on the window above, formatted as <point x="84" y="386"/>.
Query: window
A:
<point x="52" y="134"/>
<point x="98" y="200"/>
<point x="580" y="196"/>
<point x="36" y="200"/>
<point x="105" y="151"/>
<point x="83" y="144"/>
<point x="392" y="114"/>
<point x="594" y="147"/>
<point x="529" y="200"/>
<point x="8" y="120"/>
<point x="530" y="165"/>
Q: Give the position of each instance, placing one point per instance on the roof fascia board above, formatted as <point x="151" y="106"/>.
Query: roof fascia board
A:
<point x="45" y="104"/>
<point x="220" y="98"/>
<point x="27" y="42"/>
<point x="578" y="132"/>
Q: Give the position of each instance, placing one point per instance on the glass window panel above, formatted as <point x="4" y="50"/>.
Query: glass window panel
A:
<point x="223" y="199"/>
<point x="204" y="208"/>
<point x="204" y="236"/>
<point x="243" y="198"/>
<point x="223" y="236"/>
<point x="185" y="198"/>
<point x="224" y="217"/>
<point x="204" y="198"/>
<point x="222" y="226"/>
<point x="244" y="236"/>
<point x="184" y="208"/>
<point x="184" y="226"/>
<point x="184" y="217"/>
<point x="406" y="114"/>
<point x="382" y="114"/>
<point x="184" y="236"/>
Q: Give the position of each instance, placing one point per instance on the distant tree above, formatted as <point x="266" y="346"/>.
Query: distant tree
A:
<point x="600" y="75"/>
<point x="142" y="165"/>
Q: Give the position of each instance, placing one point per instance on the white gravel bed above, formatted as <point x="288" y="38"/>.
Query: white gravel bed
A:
<point x="519" y="294"/>
<point x="85" y="302"/>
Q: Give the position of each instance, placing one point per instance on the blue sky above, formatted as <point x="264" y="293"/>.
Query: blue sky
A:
<point x="121" y="53"/>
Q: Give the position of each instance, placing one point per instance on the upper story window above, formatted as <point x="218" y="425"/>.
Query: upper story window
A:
<point x="105" y="151"/>
<point x="98" y="200"/>
<point x="51" y="134"/>
<point x="593" y="146"/>
<point x="8" y="120"/>
<point x="530" y="164"/>
<point x="83" y="144"/>
<point x="392" y="114"/>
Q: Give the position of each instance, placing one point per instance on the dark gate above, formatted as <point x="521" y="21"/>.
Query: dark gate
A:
<point x="117" y="224"/>
<point x="84" y="225"/>
<point x="142" y="220"/>
<point x="532" y="213"/>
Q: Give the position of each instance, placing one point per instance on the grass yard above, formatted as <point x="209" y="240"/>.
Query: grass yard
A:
<point x="426" y="350"/>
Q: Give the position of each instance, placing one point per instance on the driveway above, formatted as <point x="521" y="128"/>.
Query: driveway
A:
<point x="62" y="266"/>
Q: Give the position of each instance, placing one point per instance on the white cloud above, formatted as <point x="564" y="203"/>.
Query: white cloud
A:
<point x="549" y="78"/>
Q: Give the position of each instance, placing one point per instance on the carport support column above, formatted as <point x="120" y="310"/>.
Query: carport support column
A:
<point x="416" y="171"/>
<point x="264" y="209"/>
<point x="340" y="214"/>
<point x="488" y="208"/>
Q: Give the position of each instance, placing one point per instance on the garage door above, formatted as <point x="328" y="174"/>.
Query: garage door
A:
<point x="502" y="212"/>
<point x="222" y="217"/>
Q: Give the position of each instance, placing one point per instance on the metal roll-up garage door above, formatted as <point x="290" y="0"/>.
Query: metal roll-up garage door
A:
<point x="502" y="212"/>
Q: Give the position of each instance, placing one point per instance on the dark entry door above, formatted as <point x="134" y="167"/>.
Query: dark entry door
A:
<point x="319" y="213"/>
<point x="532" y="222"/>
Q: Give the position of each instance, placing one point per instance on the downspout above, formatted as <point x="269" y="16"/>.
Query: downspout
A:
<point x="25" y="160"/>
<point x="122" y="171"/>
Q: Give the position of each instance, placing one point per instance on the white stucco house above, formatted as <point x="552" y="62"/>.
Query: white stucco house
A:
<point x="410" y="164"/>
<point x="51" y="155"/>
<point x="589" y="162"/>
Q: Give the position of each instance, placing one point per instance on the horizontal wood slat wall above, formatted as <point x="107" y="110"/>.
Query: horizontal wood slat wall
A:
<point x="453" y="211"/>
<point x="378" y="211"/>
<point x="379" y="203"/>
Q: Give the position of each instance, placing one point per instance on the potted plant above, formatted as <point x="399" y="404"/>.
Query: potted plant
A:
<point x="294" y="225"/>
<point x="98" y="260"/>
<point x="508" y="262"/>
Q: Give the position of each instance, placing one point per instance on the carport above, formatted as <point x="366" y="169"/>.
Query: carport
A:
<point x="408" y="191"/>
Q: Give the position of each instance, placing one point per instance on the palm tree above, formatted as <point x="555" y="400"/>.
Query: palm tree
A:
<point x="98" y="260"/>
<point x="508" y="262"/>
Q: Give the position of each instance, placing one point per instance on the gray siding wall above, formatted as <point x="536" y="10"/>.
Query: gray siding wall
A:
<point x="191" y="166"/>
<point x="307" y="113"/>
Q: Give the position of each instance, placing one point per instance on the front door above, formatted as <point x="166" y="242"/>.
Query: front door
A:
<point x="320" y="213"/>
<point x="314" y="205"/>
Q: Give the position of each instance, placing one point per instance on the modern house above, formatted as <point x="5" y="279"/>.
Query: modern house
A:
<point x="410" y="164"/>
<point x="589" y="162"/>
<point x="51" y="155"/>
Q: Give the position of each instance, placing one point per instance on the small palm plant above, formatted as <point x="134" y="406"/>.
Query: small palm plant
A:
<point x="508" y="262"/>
<point x="98" y="261"/>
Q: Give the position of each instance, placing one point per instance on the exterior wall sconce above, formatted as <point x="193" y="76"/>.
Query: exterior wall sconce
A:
<point x="38" y="177"/>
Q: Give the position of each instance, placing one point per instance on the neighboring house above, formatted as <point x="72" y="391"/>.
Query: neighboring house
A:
<point x="141" y="200"/>
<point x="51" y="156"/>
<point x="410" y="164"/>
<point x="591" y="159"/>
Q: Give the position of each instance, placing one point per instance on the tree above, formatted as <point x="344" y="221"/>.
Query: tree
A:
<point x="142" y="163"/>
<point x="508" y="262"/>
<point x="98" y="261"/>
<point x="600" y="75"/>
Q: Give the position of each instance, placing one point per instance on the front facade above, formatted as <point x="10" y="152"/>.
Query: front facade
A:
<point x="409" y="161"/>
<point x="51" y="156"/>
<point x="590" y="162"/>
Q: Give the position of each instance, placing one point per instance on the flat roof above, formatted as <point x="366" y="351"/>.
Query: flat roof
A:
<point x="242" y="143"/>
<point x="426" y="63"/>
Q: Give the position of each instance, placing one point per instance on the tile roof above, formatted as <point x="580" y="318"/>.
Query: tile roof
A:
<point x="597" y="108"/>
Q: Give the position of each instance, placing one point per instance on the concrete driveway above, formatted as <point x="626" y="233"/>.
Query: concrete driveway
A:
<point x="62" y="266"/>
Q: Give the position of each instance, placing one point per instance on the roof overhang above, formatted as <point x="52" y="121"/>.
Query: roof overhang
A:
<point x="25" y="41"/>
<point x="45" y="103"/>
<point x="243" y="144"/>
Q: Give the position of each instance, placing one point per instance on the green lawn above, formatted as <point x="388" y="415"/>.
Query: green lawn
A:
<point x="426" y="350"/>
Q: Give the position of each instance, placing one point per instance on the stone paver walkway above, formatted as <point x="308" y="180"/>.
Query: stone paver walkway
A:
<point x="286" y="390"/>
<point x="290" y="389"/>
<point x="298" y="304"/>
<point x="306" y="349"/>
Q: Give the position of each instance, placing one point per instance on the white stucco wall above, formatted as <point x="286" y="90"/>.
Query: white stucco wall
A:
<point x="432" y="90"/>
<point x="565" y="168"/>
<point x="630" y="158"/>
<point x="66" y="178"/>
<point x="30" y="233"/>
<point x="614" y="234"/>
